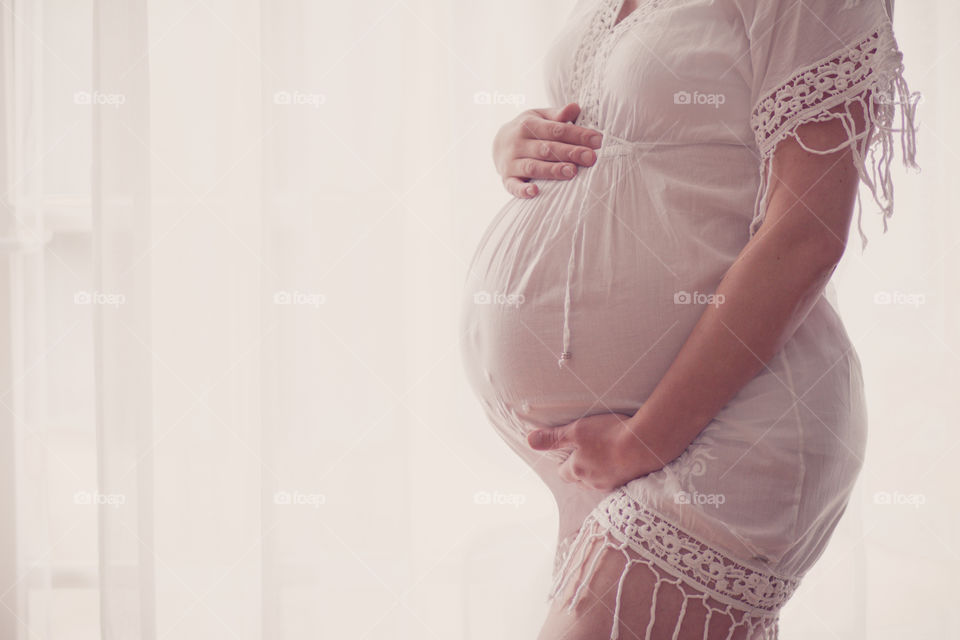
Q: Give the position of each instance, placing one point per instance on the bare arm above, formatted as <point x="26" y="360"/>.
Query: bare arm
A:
<point x="767" y="293"/>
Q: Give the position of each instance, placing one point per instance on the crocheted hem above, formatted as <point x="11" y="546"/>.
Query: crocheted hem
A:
<point x="750" y="598"/>
<point x="825" y="91"/>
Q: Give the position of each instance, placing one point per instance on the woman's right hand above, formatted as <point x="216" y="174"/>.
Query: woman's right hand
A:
<point x="543" y="143"/>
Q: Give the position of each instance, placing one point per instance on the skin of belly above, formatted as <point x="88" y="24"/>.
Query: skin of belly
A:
<point x="633" y="304"/>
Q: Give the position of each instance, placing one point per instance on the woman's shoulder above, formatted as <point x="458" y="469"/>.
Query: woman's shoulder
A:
<point x="763" y="13"/>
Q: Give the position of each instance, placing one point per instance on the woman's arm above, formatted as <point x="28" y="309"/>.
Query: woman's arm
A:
<point x="766" y="293"/>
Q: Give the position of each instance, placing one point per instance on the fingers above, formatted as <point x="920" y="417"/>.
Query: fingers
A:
<point x="541" y="439"/>
<point x="544" y="144"/>
<point x="556" y="152"/>
<point x="544" y="129"/>
<point x="561" y="439"/>
<point x="545" y="158"/>
<point x="540" y="169"/>
<point x="520" y="189"/>
<point x="567" y="113"/>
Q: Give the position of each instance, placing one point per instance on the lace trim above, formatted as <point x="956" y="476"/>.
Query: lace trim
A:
<point x="873" y="64"/>
<point x="594" y="49"/>
<point x="679" y="554"/>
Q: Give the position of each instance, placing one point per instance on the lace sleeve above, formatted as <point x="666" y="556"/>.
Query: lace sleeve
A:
<point x="869" y="72"/>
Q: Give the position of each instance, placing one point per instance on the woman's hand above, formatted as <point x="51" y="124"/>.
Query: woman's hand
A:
<point x="543" y="143"/>
<point x="609" y="450"/>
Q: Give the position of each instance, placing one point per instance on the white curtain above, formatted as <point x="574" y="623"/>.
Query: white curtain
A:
<point x="234" y="234"/>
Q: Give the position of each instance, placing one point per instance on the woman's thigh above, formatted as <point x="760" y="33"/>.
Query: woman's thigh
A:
<point x="654" y="605"/>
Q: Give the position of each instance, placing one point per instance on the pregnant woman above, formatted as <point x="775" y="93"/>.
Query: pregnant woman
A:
<point x="649" y="330"/>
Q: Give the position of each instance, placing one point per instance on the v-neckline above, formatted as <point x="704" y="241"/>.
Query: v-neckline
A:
<point x="618" y="9"/>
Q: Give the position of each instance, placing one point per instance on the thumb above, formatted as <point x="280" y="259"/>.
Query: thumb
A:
<point x="552" y="438"/>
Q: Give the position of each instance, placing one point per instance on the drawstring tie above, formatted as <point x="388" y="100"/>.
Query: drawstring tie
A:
<point x="611" y="145"/>
<point x="565" y="353"/>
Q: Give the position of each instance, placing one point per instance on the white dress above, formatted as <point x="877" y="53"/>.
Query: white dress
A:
<point x="606" y="275"/>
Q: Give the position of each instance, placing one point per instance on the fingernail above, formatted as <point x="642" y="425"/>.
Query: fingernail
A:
<point x="586" y="156"/>
<point x="531" y="190"/>
<point x="567" y="171"/>
<point x="595" y="141"/>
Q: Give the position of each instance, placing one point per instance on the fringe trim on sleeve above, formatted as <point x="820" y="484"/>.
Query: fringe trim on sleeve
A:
<point x="873" y="64"/>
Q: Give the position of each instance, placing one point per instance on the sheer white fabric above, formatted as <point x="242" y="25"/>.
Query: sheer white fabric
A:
<point x="606" y="274"/>
<point x="855" y="60"/>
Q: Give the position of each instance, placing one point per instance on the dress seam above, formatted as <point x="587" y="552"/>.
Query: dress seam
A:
<point x="801" y="467"/>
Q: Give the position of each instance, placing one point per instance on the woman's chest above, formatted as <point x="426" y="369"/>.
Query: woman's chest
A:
<point x="670" y="70"/>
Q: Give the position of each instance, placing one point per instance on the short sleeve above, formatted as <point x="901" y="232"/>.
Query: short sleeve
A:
<point x="812" y="60"/>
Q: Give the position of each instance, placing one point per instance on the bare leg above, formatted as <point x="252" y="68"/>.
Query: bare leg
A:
<point x="653" y="604"/>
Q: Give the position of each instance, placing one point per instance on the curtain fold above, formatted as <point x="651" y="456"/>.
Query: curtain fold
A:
<point x="26" y="574"/>
<point x="123" y="334"/>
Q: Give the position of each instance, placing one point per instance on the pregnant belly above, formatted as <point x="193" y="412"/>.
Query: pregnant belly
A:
<point x="638" y="285"/>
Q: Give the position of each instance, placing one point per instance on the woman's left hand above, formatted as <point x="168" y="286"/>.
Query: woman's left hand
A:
<point x="608" y="450"/>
